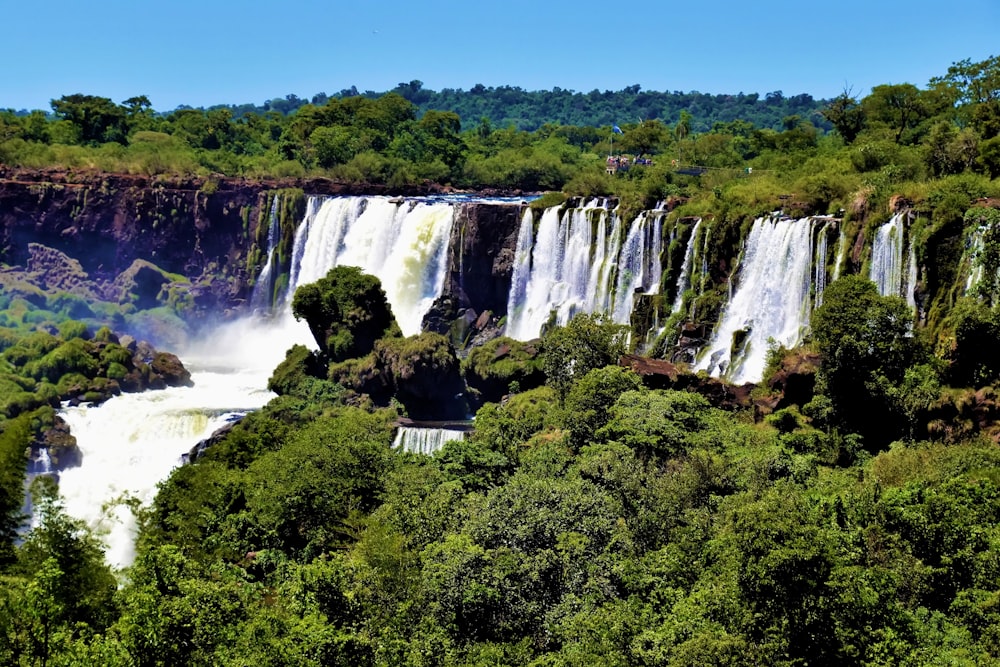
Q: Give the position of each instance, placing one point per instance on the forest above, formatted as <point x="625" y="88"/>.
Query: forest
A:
<point x="592" y="516"/>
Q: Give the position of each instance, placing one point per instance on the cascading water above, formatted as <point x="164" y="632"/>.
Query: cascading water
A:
<point x="684" y="280"/>
<point x="423" y="440"/>
<point x="973" y="259"/>
<point x="770" y="302"/>
<point x="132" y="442"/>
<point x="404" y="243"/>
<point x="887" y="269"/>
<point x="841" y="253"/>
<point x="263" y="289"/>
<point x="819" y="265"/>
<point x="639" y="267"/>
<point x="574" y="264"/>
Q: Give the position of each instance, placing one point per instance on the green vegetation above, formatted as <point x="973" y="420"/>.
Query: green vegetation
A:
<point x="590" y="518"/>
<point x="621" y="525"/>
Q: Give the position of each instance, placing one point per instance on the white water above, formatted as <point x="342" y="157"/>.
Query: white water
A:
<point x="132" y="442"/>
<point x="684" y="280"/>
<point x="841" y="254"/>
<point x="260" y="299"/>
<point x="887" y="268"/>
<point x="577" y="262"/>
<point x="404" y="243"/>
<point x="819" y="265"/>
<point x="771" y="300"/>
<point x="973" y="259"/>
<point x="639" y="264"/>
<point x="420" y="440"/>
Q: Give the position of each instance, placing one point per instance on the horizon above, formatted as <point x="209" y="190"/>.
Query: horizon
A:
<point x="202" y="55"/>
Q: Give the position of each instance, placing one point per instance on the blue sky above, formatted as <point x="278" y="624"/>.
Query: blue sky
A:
<point x="203" y="52"/>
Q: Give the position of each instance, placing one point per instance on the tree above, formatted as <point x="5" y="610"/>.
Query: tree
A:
<point x="14" y="438"/>
<point x="645" y="138"/>
<point x="847" y="116"/>
<point x="900" y="107"/>
<point x="346" y="311"/>
<point x="97" y="119"/>
<point x="977" y="87"/>
<point x="866" y="345"/>
<point x="585" y="343"/>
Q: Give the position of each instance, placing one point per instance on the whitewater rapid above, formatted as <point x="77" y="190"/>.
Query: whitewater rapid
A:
<point x="132" y="442"/>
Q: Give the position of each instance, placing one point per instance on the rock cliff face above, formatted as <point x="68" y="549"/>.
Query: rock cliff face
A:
<point x="482" y="260"/>
<point x="106" y="223"/>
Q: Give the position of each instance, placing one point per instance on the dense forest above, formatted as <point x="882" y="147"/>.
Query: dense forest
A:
<point x="593" y="516"/>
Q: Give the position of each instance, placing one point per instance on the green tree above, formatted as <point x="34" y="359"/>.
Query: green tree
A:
<point x="346" y="311"/>
<point x="846" y="114"/>
<point x="976" y="85"/>
<point x="645" y="138"/>
<point x="899" y="107"/>
<point x="97" y="120"/>
<point x="14" y="438"/>
<point x="585" y="343"/>
<point x="866" y="345"/>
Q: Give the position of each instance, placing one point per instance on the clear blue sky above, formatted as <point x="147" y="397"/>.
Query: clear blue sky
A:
<point x="203" y="52"/>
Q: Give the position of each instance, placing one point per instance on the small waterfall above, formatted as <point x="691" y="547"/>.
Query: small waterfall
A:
<point x="887" y="257"/>
<point x="577" y="262"/>
<point x="261" y="299"/>
<point x="39" y="465"/>
<point x="639" y="267"/>
<point x="841" y="254"/>
<point x="421" y="440"/>
<point x="402" y="243"/>
<point x="770" y="302"/>
<point x="819" y="265"/>
<point x="684" y="280"/>
<point x="704" y="260"/>
<point x="972" y="260"/>
<point x="911" y="279"/>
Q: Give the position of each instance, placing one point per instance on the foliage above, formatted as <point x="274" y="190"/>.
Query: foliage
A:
<point x="346" y="311"/>
<point x="865" y="343"/>
<point x="587" y="342"/>
<point x="14" y="437"/>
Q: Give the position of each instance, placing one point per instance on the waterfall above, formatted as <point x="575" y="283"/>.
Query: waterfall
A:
<point x="132" y="441"/>
<point x="404" y="243"/>
<point x="972" y="258"/>
<point x="819" y="265"/>
<point x="639" y="267"/>
<point x="770" y="302"/>
<point x="684" y="280"/>
<point x="841" y="254"/>
<point x="887" y="258"/>
<point x="704" y="259"/>
<point x="421" y="440"/>
<point x="263" y="290"/>
<point x="574" y="263"/>
<point x="39" y="465"/>
<point x="911" y="279"/>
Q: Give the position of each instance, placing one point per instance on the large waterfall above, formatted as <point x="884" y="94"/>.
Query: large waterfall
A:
<point x="888" y="271"/>
<point x="771" y="303"/>
<point x="404" y="243"/>
<point x="577" y="262"/>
